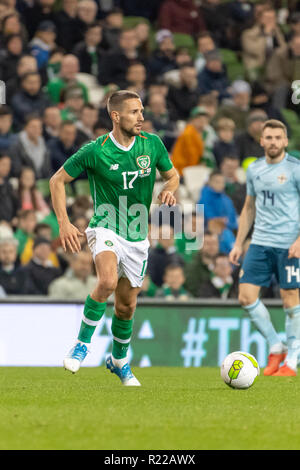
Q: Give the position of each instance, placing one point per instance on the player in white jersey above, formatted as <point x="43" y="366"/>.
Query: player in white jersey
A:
<point x="273" y="204"/>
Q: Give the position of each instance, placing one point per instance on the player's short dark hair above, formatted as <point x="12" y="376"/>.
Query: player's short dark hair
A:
<point x="117" y="98"/>
<point x="274" y="124"/>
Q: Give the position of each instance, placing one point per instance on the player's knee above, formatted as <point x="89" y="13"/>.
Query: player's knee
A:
<point x="107" y="286"/>
<point x="125" y="310"/>
<point x="246" y="299"/>
<point x="290" y="298"/>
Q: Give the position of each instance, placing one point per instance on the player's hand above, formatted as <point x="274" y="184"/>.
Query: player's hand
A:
<point x="294" y="251"/>
<point x="235" y="255"/>
<point x="167" y="197"/>
<point x="69" y="236"/>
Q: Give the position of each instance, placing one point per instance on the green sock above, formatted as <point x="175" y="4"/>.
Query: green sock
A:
<point x="122" y="331"/>
<point x="92" y="314"/>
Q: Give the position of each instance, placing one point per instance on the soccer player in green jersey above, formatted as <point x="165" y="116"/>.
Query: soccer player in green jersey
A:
<point x="121" y="168"/>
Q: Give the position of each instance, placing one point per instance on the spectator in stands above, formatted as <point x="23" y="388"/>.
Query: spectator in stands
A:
<point x="67" y="25"/>
<point x="26" y="63"/>
<point x="25" y="229"/>
<point x="112" y="27"/>
<point x="163" y="57"/>
<point x="67" y="77"/>
<point x="248" y="142"/>
<point x="281" y="71"/>
<point x="90" y="51"/>
<point x="260" y="41"/>
<point x="85" y="125"/>
<point x="80" y="207"/>
<point x="12" y="276"/>
<point x="33" y="15"/>
<point x="205" y="44"/>
<point x="173" y="284"/>
<point x="199" y="269"/>
<point x="10" y="56"/>
<point x="29" y="196"/>
<point x="51" y="122"/>
<point x="191" y="236"/>
<point x="9" y="201"/>
<point x="217" y="225"/>
<point x="213" y="77"/>
<point x="7" y="137"/>
<point x="136" y="77"/>
<point x="182" y="56"/>
<point x="261" y="100"/>
<point x="73" y="100"/>
<point x="225" y="145"/>
<point x="162" y="254"/>
<point x="43" y="42"/>
<point x="11" y="24"/>
<point x="294" y="25"/>
<point x="237" y="109"/>
<point x="188" y="149"/>
<point x="181" y="16"/>
<point x="235" y="187"/>
<point x="100" y="128"/>
<point x="210" y="102"/>
<point x="221" y="283"/>
<point x="216" y="20"/>
<point x="148" y="289"/>
<point x="142" y="8"/>
<point x="142" y="31"/>
<point x="156" y="110"/>
<point x="42" y="230"/>
<point x="216" y="202"/>
<point x="113" y="67"/>
<point x="86" y="13"/>
<point x="78" y="281"/>
<point x="30" y="150"/>
<point x="63" y="146"/>
<point x="185" y="97"/>
<point x="30" y="99"/>
<point x="40" y="271"/>
<point x="54" y="64"/>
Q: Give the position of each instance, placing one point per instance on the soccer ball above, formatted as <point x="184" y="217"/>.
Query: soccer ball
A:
<point x="239" y="370"/>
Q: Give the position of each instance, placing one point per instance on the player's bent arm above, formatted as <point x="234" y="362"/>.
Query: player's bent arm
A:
<point x="58" y="194"/>
<point x="171" y="179"/>
<point x="246" y="220"/>
<point x="68" y="233"/>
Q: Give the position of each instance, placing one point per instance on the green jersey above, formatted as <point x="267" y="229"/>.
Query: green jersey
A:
<point x="121" y="181"/>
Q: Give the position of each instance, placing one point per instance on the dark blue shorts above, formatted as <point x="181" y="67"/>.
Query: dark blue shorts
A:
<point x="261" y="262"/>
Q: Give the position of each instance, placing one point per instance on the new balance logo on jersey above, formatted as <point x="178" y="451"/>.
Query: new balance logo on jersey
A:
<point x="115" y="166"/>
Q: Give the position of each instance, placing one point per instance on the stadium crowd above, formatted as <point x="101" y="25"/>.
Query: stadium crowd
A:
<point x="209" y="72"/>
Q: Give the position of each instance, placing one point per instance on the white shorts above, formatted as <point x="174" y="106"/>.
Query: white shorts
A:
<point x="132" y="256"/>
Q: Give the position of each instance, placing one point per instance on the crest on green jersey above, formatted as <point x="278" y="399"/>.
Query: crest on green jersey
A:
<point x="108" y="243"/>
<point x="143" y="161"/>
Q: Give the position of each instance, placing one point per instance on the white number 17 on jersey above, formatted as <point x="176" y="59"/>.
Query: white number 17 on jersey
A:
<point x="130" y="182"/>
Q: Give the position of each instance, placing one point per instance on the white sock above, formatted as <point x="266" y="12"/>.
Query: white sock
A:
<point x="277" y="348"/>
<point x="119" y="362"/>
<point x="292" y="327"/>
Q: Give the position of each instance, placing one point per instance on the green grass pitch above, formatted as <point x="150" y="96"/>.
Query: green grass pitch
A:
<point x="176" y="408"/>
